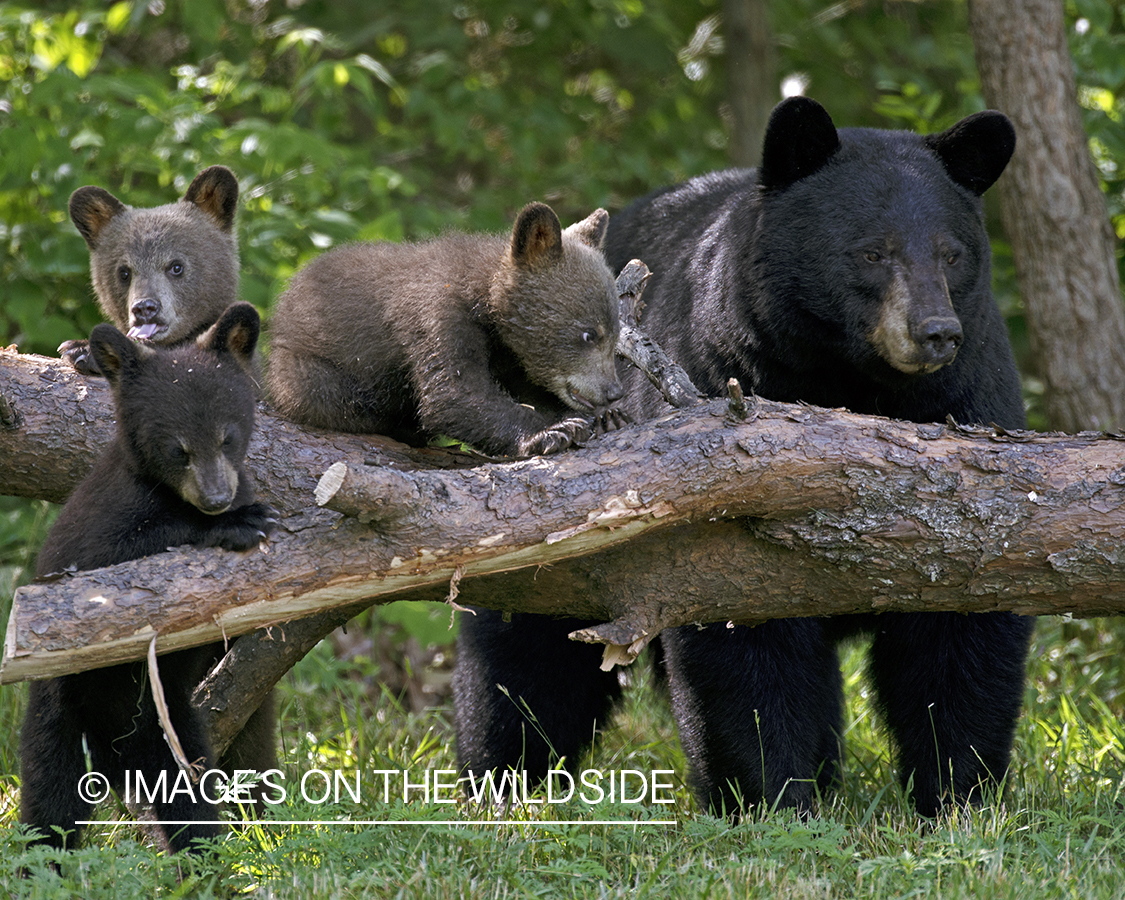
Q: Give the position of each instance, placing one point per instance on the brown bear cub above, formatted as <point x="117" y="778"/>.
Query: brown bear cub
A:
<point x="173" y="476"/>
<point x="497" y="342"/>
<point x="163" y="274"/>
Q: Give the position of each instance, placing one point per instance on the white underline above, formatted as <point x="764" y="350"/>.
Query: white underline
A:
<point x="663" y="822"/>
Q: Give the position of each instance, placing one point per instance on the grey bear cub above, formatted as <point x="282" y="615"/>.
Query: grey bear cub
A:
<point x="505" y="343"/>
<point x="162" y="274"/>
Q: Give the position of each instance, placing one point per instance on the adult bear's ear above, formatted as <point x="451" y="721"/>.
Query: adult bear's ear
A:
<point x="800" y="138"/>
<point x="976" y="149"/>
<point x="536" y="237"/>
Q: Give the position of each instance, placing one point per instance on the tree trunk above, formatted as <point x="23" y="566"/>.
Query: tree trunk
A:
<point x="752" y="88"/>
<point x="1054" y="213"/>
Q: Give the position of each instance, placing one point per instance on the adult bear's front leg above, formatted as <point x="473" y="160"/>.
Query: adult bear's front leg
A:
<point x="950" y="686"/>
<point x="759" y="711"/>
<point x="525" y="695"/>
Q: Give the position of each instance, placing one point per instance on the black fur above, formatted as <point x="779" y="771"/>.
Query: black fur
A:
<point x="851" y="270"/>
<point x="541" y="720"/>
<point x="185" y="418"/>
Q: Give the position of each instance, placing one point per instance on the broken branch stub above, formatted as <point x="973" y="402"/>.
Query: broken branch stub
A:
<point x="639" y="349"/>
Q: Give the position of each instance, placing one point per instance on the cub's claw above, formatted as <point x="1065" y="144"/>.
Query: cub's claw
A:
<point x="243" y="528"/>
<point x="77" y="353"/>
<point x="610" y="419"/>
<point x="557" y="437"/>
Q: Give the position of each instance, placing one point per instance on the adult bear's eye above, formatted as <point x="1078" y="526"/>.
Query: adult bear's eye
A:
<point x="952" y="257"/>
<point x="873" y="256"/>
<point x="124" y="274"/>
<point x="176" y="269"/>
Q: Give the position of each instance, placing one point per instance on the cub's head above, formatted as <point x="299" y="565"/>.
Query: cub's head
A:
<point x="185" y="414"/>
<point x="163" y="273"/>
<point x="556" y="306"/>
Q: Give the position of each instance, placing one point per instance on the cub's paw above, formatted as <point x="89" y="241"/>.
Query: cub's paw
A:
<point x="77" y="353"/>
<point x="557" y="437"/>
<point x="610" y="419"/>
<point x="243" y="528"/>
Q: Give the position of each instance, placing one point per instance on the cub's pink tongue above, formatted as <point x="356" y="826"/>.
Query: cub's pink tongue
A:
<point x="142" y="332"/>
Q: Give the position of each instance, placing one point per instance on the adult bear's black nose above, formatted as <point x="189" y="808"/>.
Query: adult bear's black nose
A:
<point x="939" y="338"/>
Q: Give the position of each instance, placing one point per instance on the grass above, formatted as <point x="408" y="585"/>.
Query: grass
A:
<point x="1060" y="831"/>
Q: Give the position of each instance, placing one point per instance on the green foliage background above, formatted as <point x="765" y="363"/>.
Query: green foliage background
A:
<point x="346" y="120"/>
<point x="349" y="120"/>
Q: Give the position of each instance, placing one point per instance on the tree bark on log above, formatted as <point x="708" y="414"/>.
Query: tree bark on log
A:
<point x="693" y="517"/>
<point x="1054" y="213"/>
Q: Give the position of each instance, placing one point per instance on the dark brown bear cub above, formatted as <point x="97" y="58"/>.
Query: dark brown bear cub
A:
<point x="506" y="344"/>
<point x="163" y="274"/>
<point x="173" y="476"/>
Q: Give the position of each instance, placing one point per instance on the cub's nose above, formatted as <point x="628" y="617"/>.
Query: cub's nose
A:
<point x="144" y="311"/>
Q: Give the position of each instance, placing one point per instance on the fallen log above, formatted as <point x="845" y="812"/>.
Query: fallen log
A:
<point x="693" y="517"/>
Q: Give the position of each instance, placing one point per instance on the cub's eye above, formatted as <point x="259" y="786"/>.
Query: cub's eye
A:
<point x="178" y="454"/>
<point x="873" y="256"/>
<point x="176" y="269"/>
<point x="124" y="274"/>
<point x="952" y="257"/>
<point x="591" y="336"/>
<point x="228" y="440"/>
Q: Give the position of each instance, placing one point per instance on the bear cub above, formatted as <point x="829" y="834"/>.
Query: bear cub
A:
<point x="174" y="475"/>
<point x="163" y="274"/>
<point x="506" y="344"/>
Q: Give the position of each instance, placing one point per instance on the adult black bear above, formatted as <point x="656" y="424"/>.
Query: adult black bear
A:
<point x="506" y="344"/>
<point x="173" y="476"/>
<point x="851" y="269"/>
<point x="164" y="273"/>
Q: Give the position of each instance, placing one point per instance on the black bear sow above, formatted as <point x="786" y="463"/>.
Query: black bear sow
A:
<point x="851" y="269"/>
<point x="173" y="476"/>
<point x="505" y="343"/>
<point x="166" y="273"/>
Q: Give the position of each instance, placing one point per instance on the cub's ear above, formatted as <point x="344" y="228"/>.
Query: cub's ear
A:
<point x="800" y="139"/>
<point x="591" y="230"/>
<point x="215" y="191"/>
<point x="537" y="237"/>
<point x="91" y="209"/>
<point x="115" y="354"/>
<point x="236" y="332"/>
<point x="976" y="149"/>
